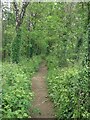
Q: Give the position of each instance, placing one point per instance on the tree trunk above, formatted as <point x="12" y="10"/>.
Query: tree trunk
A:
<point x="17" y="40"/>
<point x="89" y="53"/>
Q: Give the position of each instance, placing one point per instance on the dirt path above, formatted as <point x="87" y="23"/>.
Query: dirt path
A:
<point x="41" y="101"/>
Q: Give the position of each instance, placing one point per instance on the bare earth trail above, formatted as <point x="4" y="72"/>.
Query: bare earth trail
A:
<point x="42" y="101"/>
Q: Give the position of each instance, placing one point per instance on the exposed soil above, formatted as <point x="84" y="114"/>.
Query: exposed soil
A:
<point x="42" y="101"/>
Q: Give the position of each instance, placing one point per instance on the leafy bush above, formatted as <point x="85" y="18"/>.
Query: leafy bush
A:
<point x="52" y="61"/>
<point x="68" y="89"/>
<point x="17" y="95"/>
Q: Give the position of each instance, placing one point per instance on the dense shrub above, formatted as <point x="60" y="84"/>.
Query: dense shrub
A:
<point x="52" y="61"/>
<point x="16" y="83"/>
<point x="68" y="89"/>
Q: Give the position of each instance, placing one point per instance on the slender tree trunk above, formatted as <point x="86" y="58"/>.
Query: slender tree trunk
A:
<point x="89" y="34"/>
<point x="89" y="53"/>
<point x="19" y="21"/>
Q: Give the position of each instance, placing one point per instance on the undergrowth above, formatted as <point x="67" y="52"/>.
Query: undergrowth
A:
<point x="68" y="89"/>
<point x="16" y="83"/>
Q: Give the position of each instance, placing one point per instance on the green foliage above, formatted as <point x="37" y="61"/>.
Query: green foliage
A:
<point x="16" y="47"/>
<point x="52" y="61"/>
<point x="8" y="36"/>
<point x="68" y="89"/>
<point x="57" y="32"/>
<point x="16" y="82"/>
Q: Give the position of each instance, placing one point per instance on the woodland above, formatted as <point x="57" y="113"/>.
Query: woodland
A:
<point x="57" y="33"/>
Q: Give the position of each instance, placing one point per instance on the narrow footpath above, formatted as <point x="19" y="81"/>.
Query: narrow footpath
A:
<point x="41" y="100"/>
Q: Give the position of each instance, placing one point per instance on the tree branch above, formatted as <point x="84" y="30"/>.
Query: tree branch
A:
<point x="19" y="17"/>
<point x="16" y="11"/>
<point x="22" y="14"/>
